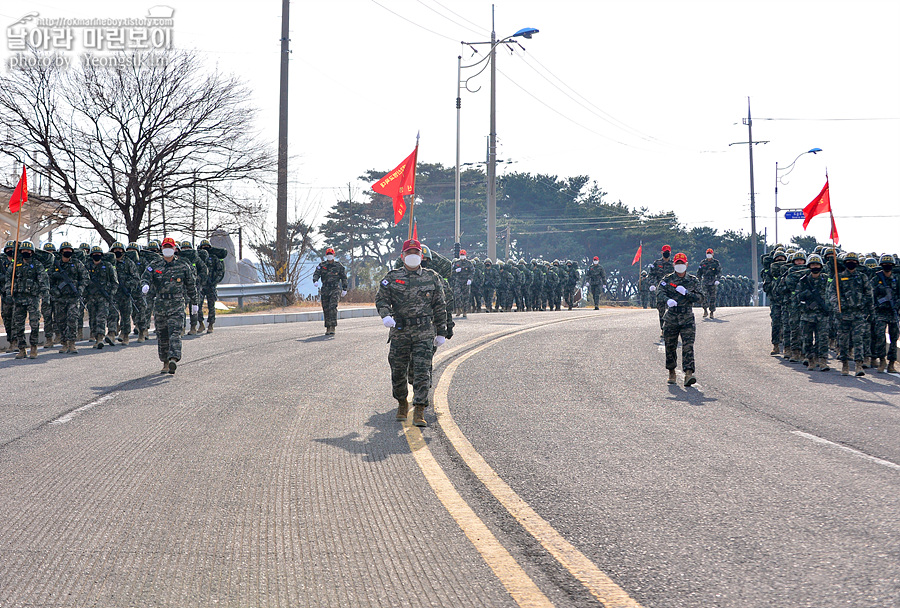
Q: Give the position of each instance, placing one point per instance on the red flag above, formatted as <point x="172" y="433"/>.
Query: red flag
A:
<point x="820" y="204"/>
<point x="637" y="256"/>
<point x="399" y="182"/>
<point x="834" y="234"/>
<point x="415" y="230"/>
<point x="20" y="194"/>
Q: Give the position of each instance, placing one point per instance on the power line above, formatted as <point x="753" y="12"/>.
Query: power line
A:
<point x="435" y="11"/>
<point x="414" y="23"/>
<point x="461" y="17"/>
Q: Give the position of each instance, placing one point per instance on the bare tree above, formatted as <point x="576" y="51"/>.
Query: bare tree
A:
<point x="137" y="147"/>
<point x="299" y="246"/>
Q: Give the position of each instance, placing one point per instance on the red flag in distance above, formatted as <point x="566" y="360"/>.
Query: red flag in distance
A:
<point x="20" y="194"/>
<point x="399" y="182"/>
<point x="637" y="256"/>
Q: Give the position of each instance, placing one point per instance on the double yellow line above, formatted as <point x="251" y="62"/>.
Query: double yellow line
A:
<point x="513" y="577"/>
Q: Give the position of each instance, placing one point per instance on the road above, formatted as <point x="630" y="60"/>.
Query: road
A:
<point x="563" y="471"/>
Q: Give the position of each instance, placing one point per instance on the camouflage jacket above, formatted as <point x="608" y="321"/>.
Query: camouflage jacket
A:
<point x="31" y="279"/>
<point x="811" y="296"/>
<point x="595" y="275"/>
<point x="537" y="277"/>
<point x="102" y="279"/>
<point x="198" y="267"/>
<point x="886" y="294"/>
<point x="68" y="280"/>
<point x="668" y="290"/>
<point x="507" y="278"/>
<point x="524" y="276"/>
<point x="661" y="268"/>
<point x="415" y="300"/>
<point x="491" y="276"/>
<point x="478" y="276"/>
<point x="709" y="272"/>
<point x="787" y="285"/>
<point x="216" y="267"/>
<point x="173" y="282"/>
<point x="856" y="293"/>
<point x="5" y="263"/>
<point x="462" y="271"/>
<point x="572" y="276"/>
<point x="333" y="276"/>
<point x="129" y="277"/>
<point x="551" y="277"/>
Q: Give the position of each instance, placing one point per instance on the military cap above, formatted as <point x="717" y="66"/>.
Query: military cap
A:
<point x="85" y="246"/>
<point x="886" y="259"/>
<point x="206" y="243"/>
<point x="815" y="258"/>
<point x="871" y="263"/>
<point x="117" y="245"/>
<point x="186" y="245"/>
<point x="9" y="245"/>
<point x="66" y="245"/>
<point x="850" y="255"/>
<point x="96" y="249"/>
<point x="153" y="245"/>
<point x="133" y="246"/>
<point x="26" y="245"/>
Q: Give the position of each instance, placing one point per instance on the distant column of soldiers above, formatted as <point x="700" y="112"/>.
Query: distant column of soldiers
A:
<point x="830" y="301"/>
<point x="59" y="285"/>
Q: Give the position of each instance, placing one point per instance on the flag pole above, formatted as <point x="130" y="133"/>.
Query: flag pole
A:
<point x="837" y="279"/>
<point x="412" y="197"/>
<point x="12" y="283"/>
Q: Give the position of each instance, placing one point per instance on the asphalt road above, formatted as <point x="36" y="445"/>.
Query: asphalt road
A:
<point x="270" y="471"/>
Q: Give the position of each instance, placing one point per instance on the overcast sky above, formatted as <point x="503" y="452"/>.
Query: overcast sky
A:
<point x="643" y="96"/>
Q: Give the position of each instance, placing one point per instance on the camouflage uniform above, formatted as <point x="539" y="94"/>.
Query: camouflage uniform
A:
<point x="415" y="300"/>
<point x="661" y="268"/>
<point x="551" y="291"/>
<point x="216" y="267"/>
<point x="477" y="290"/>
<point x="148" y="257"/>
<point x="68" y="281"/>
<point x="30" y="287"/>
<point x="491" y="282"/>
<point x="644" y="289"/>
<point x="174" y="283"/>
<point x="141" y="318"/>
<point x="572" y="276"/>
<point x="103" y="283"/>
<point x="811" y="298"/>
<point x="793" y="338"/>
<point x="775" y="308"/>
<point x="125" y="306"/>
<point x="679" y="320"/>
<point x="524" y="286"/>
<point x="51" y="327"/>
<point x="855" y="303"/>
<point x="461" y="274"/>
<point x="709" y="272"/>
<point x="334" y="281"/>
<point x="595" y="277"/>
<point x="886" y="296"/>
<point x="6" y="303"/>
<point x="200" y="277"/>
<point x="504" y="287"/>
<point x="536" y="289"/>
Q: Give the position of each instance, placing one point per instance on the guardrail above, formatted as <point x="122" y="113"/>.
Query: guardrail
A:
<point x="251" y="290"/>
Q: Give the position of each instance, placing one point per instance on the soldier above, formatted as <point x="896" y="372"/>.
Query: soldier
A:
<point x="681" y="291"/>
<point x="200" y="277"/>
<point x="29" y="285"/>
<point x="551" y="291"/>
<point x="411" y="304"/>
<point x="815" y="313"/>
<point x="793" y="339"/>
<point x="774" y="275"/>
<point x="141" y="318"/>
<point x="644" y="289"/>
<point x="709" y="272"/>
<point x="886" y="295"/>
<point x="572" y="276"/>
<point x="504" y="287"/>
<point x="661" y="267"/>
<point x="477" y="289"/>
<point x="149" y="254"/>
<point x="595" y="278"/>
<point x="523" y="288"/>
<point x="536" y="288"/>
<point x="855" y="303"/>
<point x="173" y="280"/>
<point x="491" y="282"/>
<point x="51" y="328"/>
<point x="68" y="280"/>
<point x="98" y="295"/>
<point x="330" y="279"/>
<point x="216" y="273"/>
<point x="6" y="307"/>
<point x="462" y="272"/>
<point x="123" y="300"/>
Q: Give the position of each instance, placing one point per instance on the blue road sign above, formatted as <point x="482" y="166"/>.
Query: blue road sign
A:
<point x="793" y="215"/>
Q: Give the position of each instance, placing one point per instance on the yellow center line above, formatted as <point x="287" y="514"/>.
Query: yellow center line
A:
<point x="598" y="583"/>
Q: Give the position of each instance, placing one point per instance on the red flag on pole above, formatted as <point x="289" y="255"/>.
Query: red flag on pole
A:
<point x="399" y="182"/>
<point x="834" y="233"/>
<point x="20" y="194"/>
<point x="637" y="256"/>
<point x="820" y="204"/>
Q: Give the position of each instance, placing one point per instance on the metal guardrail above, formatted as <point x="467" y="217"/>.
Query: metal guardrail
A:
<point x="250" y="290"/>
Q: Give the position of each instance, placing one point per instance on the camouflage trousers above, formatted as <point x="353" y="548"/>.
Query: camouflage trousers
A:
<point x="461" y="297"/>
<point x="504" y="299"/>
<point x="557" y="295"/>
<point x="885" y="323"/>
<point x="23" y="306"/>
<point x="411" y="351"/>
<point x="330" y="299"/>
<point x="709" y="296"/>
<point x="596" y="293"/>
<point x="50" y="324"/>
<point x="851" y="331"/>
<point x="98" y="313"/>
<point x="775" y="315"/>
<point x="682" y="325"/>
<point x="796" y="334"/>
<point x="786" y="326"/>
<point x="475" y="296"/>
<point x="68" y="320"/>
<point x="536" y="298"/>
<point x="867" y="336"/>
<point x="488" y="295"/>
<point x="122" y="312"/>
<point x="520" y="292"/>
<point x="568" y="293"/>
<point x="169" y="328"/>
<point x="814" y="328"/>
<point x="210" y="296"/>
<point x="147" y="315"/>
<point x="6" y="311"/>
<point x="645" y="299"/>
<point x="194" y="317"/>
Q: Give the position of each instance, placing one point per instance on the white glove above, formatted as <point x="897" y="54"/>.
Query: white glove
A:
<point x="587" y="284"/>
<point x="716" y="283"/>
<point x="469" y="282"/>
<point x="343" y="293"/>
<point x="459" y="270"/>
<point x="653" y="288"/>
<point x="145" y="289"/>
<point x="439" y="340"/>
<point x="389" y="321"/>
<point x="680" y="289"/>
<point x="194" y="309"/>
<point x="317" y="285"/>
<point x="671" y="302"/>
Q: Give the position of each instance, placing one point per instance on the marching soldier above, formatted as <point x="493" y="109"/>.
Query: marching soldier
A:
<point x="98" y="295"/>
<point x="661" y="268"/>
<point x="214" y="277"/>
<point x="193" y="260"/>
<point x="644" y="289"/>
<point x="330" y="279"/>
<point x="462" y="272"/>
<point x="595" y="278"/>
<point x="411" y="304"/>
<point x="141" y="318"/>
<point x="886" y="294"/>
<point x="855" y="303"/>
<point x="709" y="272"/>
<point x="173" y="280"/>
<point x="30" y="287"/>
<point x="68" y="280"/>
<point x="815" y="313"/>
<point x="51" y="327"/>
<point x="678" y="292"/>
<point x="491" y="282"/>
<point x="123" y="304"/>
<point x="6" y="303"/>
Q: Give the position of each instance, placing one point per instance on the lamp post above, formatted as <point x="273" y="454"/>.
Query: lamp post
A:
<point x="491" y="57"/>
<point x="778" y="178"/>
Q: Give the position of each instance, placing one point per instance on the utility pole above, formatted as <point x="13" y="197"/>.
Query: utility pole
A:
<point x="754" y="257"/>
<point x="507" y="239"/>
<point x="281" y="196"/>
<point x="350" y="225"/>
<point x="492" y="151"/>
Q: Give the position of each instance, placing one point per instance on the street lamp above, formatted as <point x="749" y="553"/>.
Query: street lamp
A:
<point x="778" y="178"/>
<point x="491" y="57"/>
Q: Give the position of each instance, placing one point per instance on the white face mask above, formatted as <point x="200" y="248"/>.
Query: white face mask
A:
<point x="329" y="257"/>
<point x="462" y="257"/>
<point x="168" y="252"/>
<point x="412" y="260"/>
<point x="680" y="267"/>
<point x="597" y="262"/>
<point x="708" y="256"/>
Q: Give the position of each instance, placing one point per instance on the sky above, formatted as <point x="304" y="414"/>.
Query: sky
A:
<point x="643" y="96"/>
